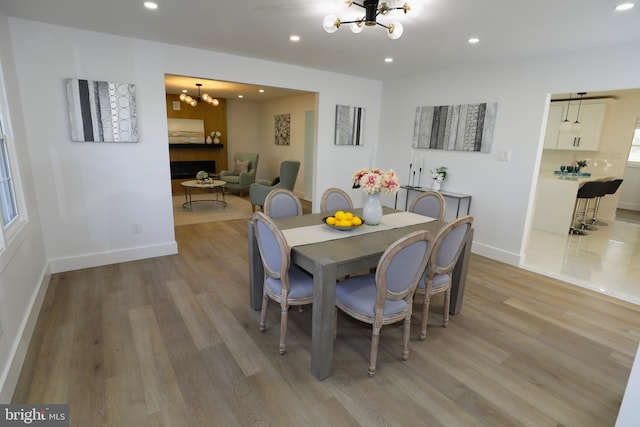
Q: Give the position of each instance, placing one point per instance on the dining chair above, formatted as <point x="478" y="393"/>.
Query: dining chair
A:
<point x="335" y="199"/>
<point x="386" y="296"/>
<point x="437" y="278"/>
<point x="429" y="203"/>
<point x="284" y="282"/>
<point x="282" y="202"/>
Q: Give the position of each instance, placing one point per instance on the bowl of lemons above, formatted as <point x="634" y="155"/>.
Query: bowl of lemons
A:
<point x="343" y="221"/>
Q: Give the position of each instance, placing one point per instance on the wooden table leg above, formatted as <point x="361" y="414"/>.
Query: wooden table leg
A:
<point x="323" y="316"/>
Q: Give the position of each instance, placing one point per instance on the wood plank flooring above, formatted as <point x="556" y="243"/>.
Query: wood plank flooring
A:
<point x="171" y="341"/>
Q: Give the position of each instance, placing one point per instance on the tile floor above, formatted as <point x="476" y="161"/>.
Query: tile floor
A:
<point x="607" y="260"/>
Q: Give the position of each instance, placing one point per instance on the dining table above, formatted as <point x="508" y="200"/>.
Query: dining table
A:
<point x="344" y="253"/>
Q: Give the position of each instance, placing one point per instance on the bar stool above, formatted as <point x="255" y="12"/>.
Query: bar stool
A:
<point x="588" y="191"/>
<point x="610" y="188"/>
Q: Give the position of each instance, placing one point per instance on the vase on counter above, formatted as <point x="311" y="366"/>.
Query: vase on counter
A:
<point x="435" y="185"/>
<point x="372" y="210"/>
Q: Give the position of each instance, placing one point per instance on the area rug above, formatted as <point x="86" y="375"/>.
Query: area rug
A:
<point x="237" y="208"/>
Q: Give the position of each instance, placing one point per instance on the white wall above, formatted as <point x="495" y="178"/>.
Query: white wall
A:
<point x="630" y="189"/>
<point x="502" y="191"/>
<point x="24" y="275"/>
<point x="92" y="194"/>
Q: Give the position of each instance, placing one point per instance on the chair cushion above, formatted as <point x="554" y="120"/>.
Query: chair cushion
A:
<point x="241" y="167"/>
<point x="231" y="179"/>
<point x="359" y="294"/>
<point x="300" y="281"/>
<point x="439" y="281"/>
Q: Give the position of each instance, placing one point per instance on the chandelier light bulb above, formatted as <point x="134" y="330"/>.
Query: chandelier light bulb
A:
<point x="395" y="30"/>
<point x="331" y="24"/>
<point x="182" y="97"/>
<point x="193" y="102"/>
<point x="215" y="102"/>
<point x="357" y="27"/>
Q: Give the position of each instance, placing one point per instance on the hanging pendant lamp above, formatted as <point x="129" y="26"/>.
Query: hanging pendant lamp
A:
<point x="566" y="125"/>
<point x="577" y="126"/>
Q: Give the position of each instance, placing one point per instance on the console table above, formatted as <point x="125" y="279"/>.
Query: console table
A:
<point x="447" y="194"/>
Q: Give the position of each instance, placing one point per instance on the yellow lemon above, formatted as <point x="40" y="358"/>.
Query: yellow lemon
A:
<point x="344" y="223"/>
<point x="339" y="215"/>
<point x="348" y="216"/>
<point x="331" y="220"/>
<point x="356" y="221"/>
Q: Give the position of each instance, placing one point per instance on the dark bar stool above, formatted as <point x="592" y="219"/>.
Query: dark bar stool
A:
<point x="610" y="188"/>
<point x="588" y="191"/>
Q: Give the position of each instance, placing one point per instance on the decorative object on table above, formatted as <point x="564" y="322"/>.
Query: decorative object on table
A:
<point x="580" y="164"/>
<point x="283" y="129"/>
<point x="349" y="121"/>
<point x="373" y="181"/>
<point x="102" y="111"/>
<point x="343" y="220"/>
<point x="203" y="177"/>
<point x="208" y="140"/>
<point x="215" y="135"/>
<point x="437" y="176"/>
<point x="467" y="127"/>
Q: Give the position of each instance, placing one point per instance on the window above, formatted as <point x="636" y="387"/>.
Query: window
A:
<point x="634" y="154"/>
<point x="7" y="192"/>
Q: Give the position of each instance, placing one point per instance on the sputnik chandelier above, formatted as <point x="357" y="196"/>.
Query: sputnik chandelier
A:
<point x="194" y="101"/>
<point x="372" y="8"/>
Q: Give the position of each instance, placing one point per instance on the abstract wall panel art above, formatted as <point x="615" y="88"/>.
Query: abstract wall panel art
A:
<point x="349" y="123"/>
<point x="102" y="111"/>
<point x="283" y="129"/>
<point x="465" y="127"/>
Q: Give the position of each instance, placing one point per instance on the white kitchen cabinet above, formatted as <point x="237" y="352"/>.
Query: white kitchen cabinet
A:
<point x="592" y="114"/>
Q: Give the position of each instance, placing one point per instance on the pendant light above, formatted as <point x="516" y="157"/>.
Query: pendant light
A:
<point x="577" y="126"/>
<point x="566" y="125"/>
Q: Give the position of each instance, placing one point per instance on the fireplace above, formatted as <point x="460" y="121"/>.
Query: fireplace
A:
<point x="188" y="169"/>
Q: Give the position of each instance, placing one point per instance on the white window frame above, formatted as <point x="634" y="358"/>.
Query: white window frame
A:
<point x="9" y="241"/>
<point x="635" y="142"/>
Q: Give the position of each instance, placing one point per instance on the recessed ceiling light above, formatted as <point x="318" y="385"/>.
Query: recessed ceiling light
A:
<point x="294" y="38"/>
<point x="261" y="90"/>
<point x="473" y="40"/>
<point x="150" y="5"/>
<point x="184" y="91"/>
<point x="240" y="96"/>
<point x="388" y="59"/>
<point x="624" y="6"/>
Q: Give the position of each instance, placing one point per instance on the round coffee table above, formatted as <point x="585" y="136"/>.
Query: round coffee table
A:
<point x="216" y="185"/>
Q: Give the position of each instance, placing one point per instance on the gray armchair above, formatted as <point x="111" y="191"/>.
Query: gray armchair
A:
<point x="238" y="178"/>
<point x="288" y="174"/>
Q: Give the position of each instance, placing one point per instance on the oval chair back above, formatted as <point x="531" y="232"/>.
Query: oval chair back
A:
<point x="429" y="203"/>
<point x="282" y="202"/>
<point x="335" y="199"/>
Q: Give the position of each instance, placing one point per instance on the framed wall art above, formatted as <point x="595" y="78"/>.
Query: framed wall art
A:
<point x="349" y="125"/>
<point x="102" y="111"/>
<point x="465" y="127"/>
<point x="186" y="131"/>
<point x="283" y="129"/>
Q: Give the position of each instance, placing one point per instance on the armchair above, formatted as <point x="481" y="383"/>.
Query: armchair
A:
<point x="243" y="174"/>
<point x="288" y="174"/>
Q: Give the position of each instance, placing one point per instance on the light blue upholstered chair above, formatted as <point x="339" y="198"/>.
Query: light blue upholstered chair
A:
<point x="284" y="283"/>
<point x="240" y="178"/>
<point x="282" y="202"/>
<point x="335" y="199"/>
<point x="288" y="174"/>
<point x="386" y="296"/>
<point x="447" y="247"/>
<point x="429" y="203"/>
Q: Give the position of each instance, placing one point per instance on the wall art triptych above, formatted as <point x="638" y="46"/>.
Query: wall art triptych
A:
<point x="465" y="127"/>
<point x="102" y="111"/>
<point x="349" y="125"/>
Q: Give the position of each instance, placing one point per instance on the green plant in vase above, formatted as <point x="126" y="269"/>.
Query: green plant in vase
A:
<point x="580" y="164"/>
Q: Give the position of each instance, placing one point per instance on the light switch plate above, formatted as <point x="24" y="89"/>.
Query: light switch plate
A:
<point x="504" y="156"/>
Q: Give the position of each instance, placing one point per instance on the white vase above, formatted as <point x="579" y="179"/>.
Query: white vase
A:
<point x="372" y="210"/>
<point x="435" y="185"/>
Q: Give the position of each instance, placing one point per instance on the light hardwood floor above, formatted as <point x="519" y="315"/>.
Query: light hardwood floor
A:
<point x="172" y="341"/>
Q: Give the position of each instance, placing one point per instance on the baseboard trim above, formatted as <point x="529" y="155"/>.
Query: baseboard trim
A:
<point x="9" y="378"/>
<point x="60" y="265"/>
<point x="496" y="254"/>
<point x="629" y="206"/>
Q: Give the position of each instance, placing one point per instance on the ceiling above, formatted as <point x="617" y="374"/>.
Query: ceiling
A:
<point x="436" y="38"/>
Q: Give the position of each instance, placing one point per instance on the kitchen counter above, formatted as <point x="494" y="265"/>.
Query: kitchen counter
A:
<point x="555" y="201"/>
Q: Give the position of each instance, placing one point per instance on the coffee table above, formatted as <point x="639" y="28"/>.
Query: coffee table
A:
<point x="216" y="185"/>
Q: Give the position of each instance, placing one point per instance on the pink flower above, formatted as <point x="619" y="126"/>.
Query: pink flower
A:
<point x="375" y="180"/>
